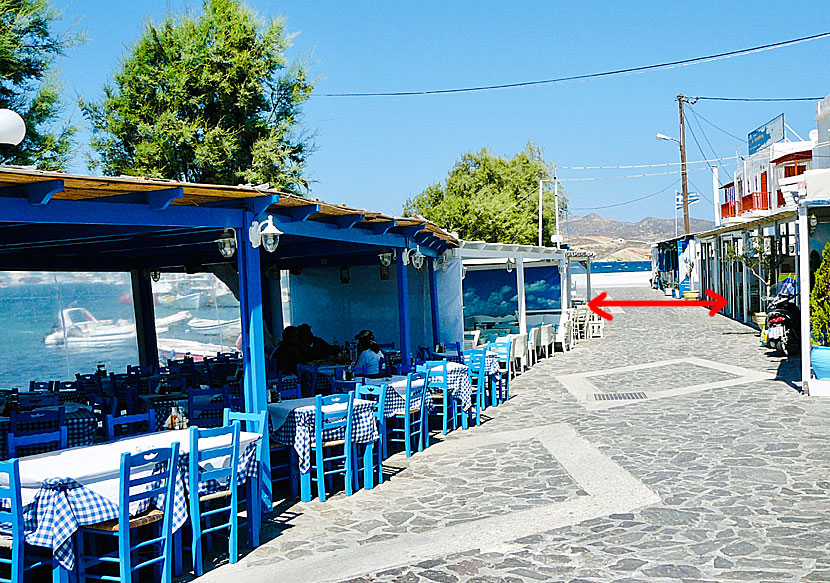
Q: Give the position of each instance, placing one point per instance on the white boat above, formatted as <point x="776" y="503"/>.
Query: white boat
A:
<point x="183" y="301"/>
<point x="77" y="327"/>
<point x="225" y="299"/>
<point x="176" y="347"/>
<point x="208" y="325"/>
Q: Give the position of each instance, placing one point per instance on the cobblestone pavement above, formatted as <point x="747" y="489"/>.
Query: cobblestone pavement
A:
<point x="738" y="476"/>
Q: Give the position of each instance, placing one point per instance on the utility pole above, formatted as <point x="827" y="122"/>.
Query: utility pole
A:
<point x="541" y="181"/>
<point x="684" y="179"/>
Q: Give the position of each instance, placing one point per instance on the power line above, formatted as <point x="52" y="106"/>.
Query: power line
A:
<point x="608" y="206"/>
<point x="615" y="72"/>
<point x="764" y="99"/>
<point x="593" y="178"/>
<point x="632" y="166"/>
<point x="720" y="128"/>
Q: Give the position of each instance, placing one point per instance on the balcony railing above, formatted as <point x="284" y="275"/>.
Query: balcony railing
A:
<point x="755" y="201"/>
<point x="729" y="209"/>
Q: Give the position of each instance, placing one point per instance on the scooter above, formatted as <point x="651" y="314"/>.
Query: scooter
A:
<point x="783" y="325"/>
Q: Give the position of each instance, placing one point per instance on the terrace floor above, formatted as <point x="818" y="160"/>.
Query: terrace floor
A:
<point x="718" y="471"/>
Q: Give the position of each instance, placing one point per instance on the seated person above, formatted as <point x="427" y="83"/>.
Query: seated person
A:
<point x="369" y="357"/>
<point x="288" y="354"/>
<point x="314" y="348"/>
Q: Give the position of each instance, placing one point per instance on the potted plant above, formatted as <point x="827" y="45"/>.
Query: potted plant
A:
<point x="820" y="317"/>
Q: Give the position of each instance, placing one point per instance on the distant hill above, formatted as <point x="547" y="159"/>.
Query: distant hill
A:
<point x="623" y="241"/>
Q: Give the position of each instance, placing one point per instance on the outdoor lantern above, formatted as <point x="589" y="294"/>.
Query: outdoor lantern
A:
<point x="12" y="127"/>
<point x="227" y="243"/>
<point x="813" y="224"/>
<point x="417" y="258"/>
<point x="155" y="276"/>
<point x="266" y="234"/>
<point x="386" y="258"/>
<point x="511" y="263"/>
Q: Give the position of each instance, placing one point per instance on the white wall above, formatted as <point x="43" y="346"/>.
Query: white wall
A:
<point x="337" y="311"/>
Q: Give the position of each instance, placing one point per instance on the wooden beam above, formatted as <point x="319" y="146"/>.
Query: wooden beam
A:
<point x="349" y="221"/>
<point x="156" y="200"/>
<point x="38" y="193"/>
<point x="299" y="214"/>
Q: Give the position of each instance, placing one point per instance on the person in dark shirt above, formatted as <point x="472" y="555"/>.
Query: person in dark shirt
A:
<point x="288" y="354"/>
<point x="312" y="347"/>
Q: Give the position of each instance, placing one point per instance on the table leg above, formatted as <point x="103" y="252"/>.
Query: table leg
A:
<point x="305" y="486"/>
<point x="465" y="423"/>
<point x="59" y="573"/>
<point x="369" y="465"/>
<point x="254" y="513"/>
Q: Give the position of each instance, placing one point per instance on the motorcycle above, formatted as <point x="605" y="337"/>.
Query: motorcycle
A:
<point x="783" y="325"/>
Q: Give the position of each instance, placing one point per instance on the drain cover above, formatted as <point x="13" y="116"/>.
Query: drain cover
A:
<point x="619" y="396"/>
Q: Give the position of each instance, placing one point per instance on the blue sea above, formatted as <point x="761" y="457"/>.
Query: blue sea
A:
<point x="29" y="311"/>
<point x="614" y="266"/>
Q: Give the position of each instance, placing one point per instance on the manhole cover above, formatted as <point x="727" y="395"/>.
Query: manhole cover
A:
<point x="619" y="396"/>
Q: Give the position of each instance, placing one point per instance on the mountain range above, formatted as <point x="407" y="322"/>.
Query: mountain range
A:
<point x="620" y="240"/>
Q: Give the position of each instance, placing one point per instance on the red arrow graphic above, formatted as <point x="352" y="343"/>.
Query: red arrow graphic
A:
<point x="717" y="303"/>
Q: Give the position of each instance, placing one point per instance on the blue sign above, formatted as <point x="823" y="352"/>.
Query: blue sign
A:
<point x="767" y="134"/>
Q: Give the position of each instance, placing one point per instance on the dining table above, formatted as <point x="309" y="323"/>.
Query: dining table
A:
<point x="64" y="490"/>
<point x="292" y="424"/>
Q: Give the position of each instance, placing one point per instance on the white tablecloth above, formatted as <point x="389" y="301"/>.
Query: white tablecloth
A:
<point x="97" y="467"/>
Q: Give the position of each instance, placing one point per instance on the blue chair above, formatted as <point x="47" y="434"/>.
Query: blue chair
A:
<point x="143" y="489"/>
<point x="376" y="393"/>
<point x="130" y="425"/>
<point x="257" y="423"/>
<point x="141" y="370"/>
<point x="12" y="517"/>
<point x="413" y="415"/>
<point x="327" y="459"/>
<point x="28" y="401"/>
<point x="307" y="375"/>
<point x="341" y="387"/>
<point x="438" y="384"/>
<point x="288" y="388"/>
<point x="201" y="470"/>
<point x="41" y="386"/>
<point x="22" y="557"/>
<point x="206" y="406"/>
<point x="503" y="347"/>
<point x="29" y="422"/>
<point x="475" y="370"/>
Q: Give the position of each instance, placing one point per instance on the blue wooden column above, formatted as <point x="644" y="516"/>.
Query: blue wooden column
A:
<point x="433" y="301"/>
<point x="250" y="308"/>
<point x="145" y="318"/>
<point x="403" y="314"/>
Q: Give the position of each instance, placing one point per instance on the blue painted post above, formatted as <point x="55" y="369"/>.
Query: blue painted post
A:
<point x="250" y="307"/>
<point x="403" y="315"/>
<point x="433" y="300"/>
<point x="145" y="319"/>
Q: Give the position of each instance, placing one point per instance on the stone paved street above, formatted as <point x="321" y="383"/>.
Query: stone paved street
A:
<point x="727" y="483"/>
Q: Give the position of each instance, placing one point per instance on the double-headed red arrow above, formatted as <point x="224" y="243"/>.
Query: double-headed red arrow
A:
<point x="717" y="303"/>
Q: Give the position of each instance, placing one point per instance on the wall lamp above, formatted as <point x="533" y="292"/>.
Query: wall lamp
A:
<point x="265" y="234"/>
<point x="227" y="243"/>
<point x="386" y="258"/>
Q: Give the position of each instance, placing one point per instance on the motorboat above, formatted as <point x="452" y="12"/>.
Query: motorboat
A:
<point x="210" y="325"/>
<point x="77" y="327"/>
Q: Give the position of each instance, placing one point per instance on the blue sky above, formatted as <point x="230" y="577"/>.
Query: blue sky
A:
<point x="376" y="152"/>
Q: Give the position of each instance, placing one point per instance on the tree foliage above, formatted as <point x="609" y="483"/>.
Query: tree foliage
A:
<point x="28" y="50"/>
<point x="492" y="198"/>
<point x="820" y="301"/>
<point x="206" y="98"/>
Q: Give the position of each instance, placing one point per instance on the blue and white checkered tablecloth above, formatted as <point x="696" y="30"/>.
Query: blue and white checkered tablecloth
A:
<point x="63" y="504"/>
<point x="299" y="427"/>
<point x="458" y="379"/>
<point x="395" y="403"/>
<point x="491" y="363"/>
<point x="81" y="426"/>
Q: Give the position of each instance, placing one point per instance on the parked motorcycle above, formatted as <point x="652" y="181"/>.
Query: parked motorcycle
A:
<point x="784" y="324"/>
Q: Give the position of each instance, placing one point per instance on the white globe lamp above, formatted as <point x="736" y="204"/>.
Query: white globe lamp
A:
<point x="12" y="127"/>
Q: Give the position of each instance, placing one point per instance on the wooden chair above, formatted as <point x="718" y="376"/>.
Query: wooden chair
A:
<point x="156" y="468"/>
<point x="326" y="456"/>
<point x="412" y="416"/>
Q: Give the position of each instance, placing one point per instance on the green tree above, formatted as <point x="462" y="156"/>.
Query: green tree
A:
<point x="820" y="301"/>
<point x="206" y="98"/>
<point x="492" y="198"/>
<point x="28" y="49"/>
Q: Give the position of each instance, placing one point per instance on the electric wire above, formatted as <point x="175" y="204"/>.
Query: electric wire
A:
<point x="620" y="177"/>
<point x="759" y="99"/>
<point x="572" y="78"/>
<point x="720" y="128"/>
<point x="634" y="166"/>
<point x="608" y="206"/>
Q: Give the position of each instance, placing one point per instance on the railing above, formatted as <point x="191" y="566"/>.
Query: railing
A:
<point x="755" y="201"/>
<point x="729" y="209"/>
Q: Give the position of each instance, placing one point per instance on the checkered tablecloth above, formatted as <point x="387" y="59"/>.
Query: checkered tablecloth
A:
<point x="458" y="380"/>
<point x="81" y="426"/>
<point x="299" y="427"/>
<point x="63" y="504"/>
<point x="491" y="363"/>
<point x="395" y="403"/>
